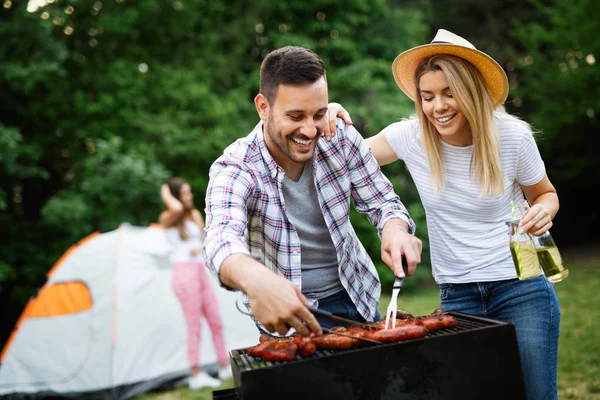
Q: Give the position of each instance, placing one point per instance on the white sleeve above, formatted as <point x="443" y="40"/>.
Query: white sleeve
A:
<point x="401" y="136"/>
<point x="530" y="166"/>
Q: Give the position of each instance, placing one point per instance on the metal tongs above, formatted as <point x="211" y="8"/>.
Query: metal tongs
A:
<point x="324" y="313"/>
<point x="334" y="317"/>
<point x="392" y="308"/>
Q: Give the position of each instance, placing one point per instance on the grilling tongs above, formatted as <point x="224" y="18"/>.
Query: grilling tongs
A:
<point x="327" y="314"/>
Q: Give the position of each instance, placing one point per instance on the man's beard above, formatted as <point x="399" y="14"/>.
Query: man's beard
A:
<point x="282" y="143"/>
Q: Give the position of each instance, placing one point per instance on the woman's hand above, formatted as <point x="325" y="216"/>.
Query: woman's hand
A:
<point x="196" y="250"/>
<point x="536" y="221"/>
<point x="165" y="192"/>
<point x="334" y="111"/>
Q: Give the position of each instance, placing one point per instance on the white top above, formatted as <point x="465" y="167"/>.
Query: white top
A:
<point x="467" y="235"/>
<point x="182" y="248"/>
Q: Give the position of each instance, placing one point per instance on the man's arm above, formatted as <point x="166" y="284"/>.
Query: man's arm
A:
<point x="374" y="196"/>
<point x="275" y="302"/>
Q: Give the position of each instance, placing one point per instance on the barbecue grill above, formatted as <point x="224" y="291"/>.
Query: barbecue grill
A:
<point x="476" y="359"/>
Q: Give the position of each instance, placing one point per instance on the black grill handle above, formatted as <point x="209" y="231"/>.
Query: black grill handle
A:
<point x="399" y="282"/>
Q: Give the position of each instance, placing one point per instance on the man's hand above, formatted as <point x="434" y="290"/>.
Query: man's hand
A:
<point x="278" y="305"/>
<point x="275" y="301"/>
<point x="396" y="243"/>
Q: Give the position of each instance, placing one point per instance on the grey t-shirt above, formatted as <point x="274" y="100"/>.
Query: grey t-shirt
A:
<point x="320" y="277"/>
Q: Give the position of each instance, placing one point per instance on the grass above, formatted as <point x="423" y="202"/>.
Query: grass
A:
<point x="579" y="345"/>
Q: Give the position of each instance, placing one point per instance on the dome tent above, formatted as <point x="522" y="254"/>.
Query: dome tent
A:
<point x="107" y="323"/>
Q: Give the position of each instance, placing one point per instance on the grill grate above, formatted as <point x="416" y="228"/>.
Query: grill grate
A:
<point x="445" y="364"/>
<point x="244" y="362"/>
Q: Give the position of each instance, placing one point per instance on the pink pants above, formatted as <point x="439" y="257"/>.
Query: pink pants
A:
<point x="198" y="300"/>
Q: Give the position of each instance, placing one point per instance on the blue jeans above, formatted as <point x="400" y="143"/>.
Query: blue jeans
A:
<point x="532" y="306"/>
<point x="341" y="305"/>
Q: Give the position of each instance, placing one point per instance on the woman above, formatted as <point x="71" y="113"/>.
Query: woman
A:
<point x="469" y="159"/>
<point x="185" y="225"/>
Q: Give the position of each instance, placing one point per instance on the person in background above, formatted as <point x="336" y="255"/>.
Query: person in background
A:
<point x="278" y="206"/>
<point x="469" y="159"/>
<point x="184" y="228"/>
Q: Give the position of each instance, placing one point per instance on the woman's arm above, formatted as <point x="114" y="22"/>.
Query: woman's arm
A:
<point x="174" y="210"/>
<point x="544" y="205"/>
<point x="380" y="147"/>
<point x="197" y="218"/>
<point x="334" y="111"/>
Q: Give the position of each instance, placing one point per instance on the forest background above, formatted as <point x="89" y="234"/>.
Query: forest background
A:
<point x="104" y="100"/>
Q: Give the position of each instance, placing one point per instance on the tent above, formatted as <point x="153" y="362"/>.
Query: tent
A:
<point x="107" y="323"/>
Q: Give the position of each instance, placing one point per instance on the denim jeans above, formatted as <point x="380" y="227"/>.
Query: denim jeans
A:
<point x="341" y="305"/>
<point x="532" y="306"/>
<point x="338" y="304"/>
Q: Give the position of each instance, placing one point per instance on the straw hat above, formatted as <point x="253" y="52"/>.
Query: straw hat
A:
<point x="445" y="42"/>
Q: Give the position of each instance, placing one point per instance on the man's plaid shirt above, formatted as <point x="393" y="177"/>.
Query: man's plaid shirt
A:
<point x="245" y="210"/>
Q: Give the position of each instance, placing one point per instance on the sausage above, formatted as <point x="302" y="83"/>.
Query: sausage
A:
<point x="280" y="351"/>
<point x="437" y="322"/>
<point x="331" y="341"/>
<point x="306" y="347"/>
<point x="256" y="351"/>
<point x="403" y="332"/>
<point x="265" y="338"/>
<point x="381" y="324"/>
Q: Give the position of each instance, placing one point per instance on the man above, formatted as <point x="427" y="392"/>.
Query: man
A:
<point x="278" y="205"/>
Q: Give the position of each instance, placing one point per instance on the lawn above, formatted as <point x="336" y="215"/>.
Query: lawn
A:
<point x="579" y="347"/>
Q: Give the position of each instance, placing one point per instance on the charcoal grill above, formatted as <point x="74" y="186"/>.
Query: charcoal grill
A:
<point x="476" y="359"/>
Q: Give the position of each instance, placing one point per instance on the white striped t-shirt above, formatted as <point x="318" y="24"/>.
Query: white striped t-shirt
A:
<point x="468" y="237"/>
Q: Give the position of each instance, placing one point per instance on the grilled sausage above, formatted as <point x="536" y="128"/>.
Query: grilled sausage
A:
<point x="403" y="332"/>
<point x="381" y="324"/>
<point x="306" y="347"/>
<point x="280" y="351"/>
<point x="331" y="341"/>
<point x="256" y="351"/>
<point x="437" y="322"/>
<point x="265" y="338"/>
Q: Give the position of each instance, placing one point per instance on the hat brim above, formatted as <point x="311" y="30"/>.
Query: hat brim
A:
<point x="407" y="62"/>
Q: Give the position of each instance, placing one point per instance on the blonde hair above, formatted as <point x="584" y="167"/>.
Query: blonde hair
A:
<point x="473" y="97"/>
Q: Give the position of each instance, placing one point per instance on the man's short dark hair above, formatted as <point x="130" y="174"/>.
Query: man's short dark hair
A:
<point x="290" y="65"/>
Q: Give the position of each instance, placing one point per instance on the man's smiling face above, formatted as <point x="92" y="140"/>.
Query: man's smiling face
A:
<point x="295" y="122"/>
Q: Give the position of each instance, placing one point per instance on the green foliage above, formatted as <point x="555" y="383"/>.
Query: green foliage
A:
<point x="561" y="83"/>
<point x="559" y="91"/>
<point x="106" y="100"/>
<point x="112" y="187"/>
<point x="102" y="101"/>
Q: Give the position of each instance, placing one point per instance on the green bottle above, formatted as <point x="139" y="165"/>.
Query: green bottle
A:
<point x="547" y="252"/>
<point x="523" y="252"/>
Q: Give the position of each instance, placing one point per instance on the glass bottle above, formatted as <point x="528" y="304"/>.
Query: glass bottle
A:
<point x="547" y="252"/>
<point x="523" y="251"/>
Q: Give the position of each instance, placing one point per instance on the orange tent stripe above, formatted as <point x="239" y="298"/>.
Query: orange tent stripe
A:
<point x="69" y="251"/>
<point x="61" y="299"/>
<point x="31" y="309"/>
<point x="26" y="311"/>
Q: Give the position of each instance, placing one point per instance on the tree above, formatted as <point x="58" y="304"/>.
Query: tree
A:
<point x="559" y="88"/>
<point x="103" y="100"/>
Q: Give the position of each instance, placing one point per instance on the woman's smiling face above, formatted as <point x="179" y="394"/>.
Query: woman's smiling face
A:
<point x="441" y="109"/>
